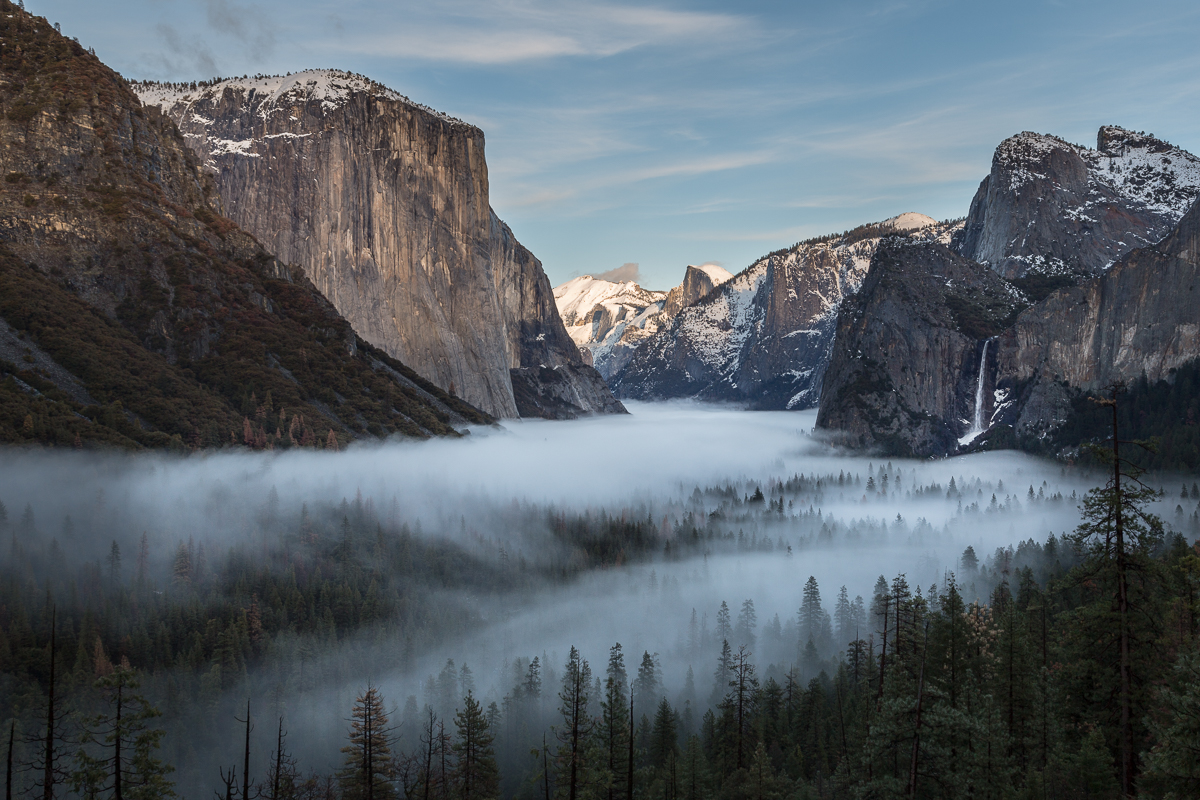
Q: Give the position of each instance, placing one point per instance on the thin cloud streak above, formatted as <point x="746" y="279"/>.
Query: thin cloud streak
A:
<point x="509" y="33"/>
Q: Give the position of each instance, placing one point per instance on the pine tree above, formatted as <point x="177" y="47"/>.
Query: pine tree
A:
<point x="574" y="698"/>
<point x="367" y="771"/>
<point x="647" y="686"/>
<point x="476" y="775"/>
<point x="664" y="737"/>
<point x="614" y="723"/>
<point x="118" y="749"/>
<point x="809" y="616"/>
<point x="1119" y="533"/>
<point x="724" y="627"/>
<point x="747" y="623"/>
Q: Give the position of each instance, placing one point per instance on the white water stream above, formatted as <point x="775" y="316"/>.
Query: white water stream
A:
<point x="977" y="423"/>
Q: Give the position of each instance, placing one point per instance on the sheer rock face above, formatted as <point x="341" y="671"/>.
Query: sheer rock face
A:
<point x="384" y="204"/>
<point x="1056" y="208"/>
<point x="904" y="372"/>
<point x="764" y="337"/>
<point x="133" y="294"/>
<point x="1141" y="317"/>
<point x="697" y="282"/>
<point x="910" y="356"/>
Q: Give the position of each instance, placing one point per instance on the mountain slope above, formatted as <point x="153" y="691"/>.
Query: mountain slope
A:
<point x="384" y="204"/>
<point x="609" y="320"/>
<point x="1053" y="208"/>
<point x="763" y="337"/>
<point x="137" y="315"/>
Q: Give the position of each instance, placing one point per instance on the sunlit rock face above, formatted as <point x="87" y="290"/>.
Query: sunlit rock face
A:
<point x="1055" y="208"/>
<point x="609" y="320"/>
<point x="384" y="204"/>
<point x="763" y="338"/>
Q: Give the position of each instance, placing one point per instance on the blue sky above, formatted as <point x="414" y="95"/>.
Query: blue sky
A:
<point x="668" y="133"/>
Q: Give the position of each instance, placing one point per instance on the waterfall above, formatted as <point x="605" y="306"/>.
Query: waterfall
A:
<point x="977" y="424"/>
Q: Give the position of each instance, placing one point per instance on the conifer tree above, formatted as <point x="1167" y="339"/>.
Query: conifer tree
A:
<point x="1119" y="533"/>
<point x="367" y="772"/>
<point x="574" y="699"/>
<point x="476" y="775"/>
<point x="118" y="753"/>
<point x="614" y="722"/>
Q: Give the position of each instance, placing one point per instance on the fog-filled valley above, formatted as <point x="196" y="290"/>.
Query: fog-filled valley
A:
<point x="297" y="580"/>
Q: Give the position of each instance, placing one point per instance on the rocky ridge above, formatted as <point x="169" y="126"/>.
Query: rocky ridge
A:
<point x="609" y="320"/>
<point x="763" y="338"/>
<point x="1140" y="318"/>
<point x="384" y="204"/>
<point x="1054" y="208"/>
<point x="919" y="369"/>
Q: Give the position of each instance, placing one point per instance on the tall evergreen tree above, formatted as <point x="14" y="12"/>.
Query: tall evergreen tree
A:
<point x="1119" y="533"/>
<point x="368" y="767"/>
<point x="118" y="753"/>
<point x="614" y="723"/>
<point x="574" y="698"/>
<point x="476" y="775"/>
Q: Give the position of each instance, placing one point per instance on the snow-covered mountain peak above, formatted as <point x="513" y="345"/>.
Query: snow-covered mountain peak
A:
<point x="908" y="221"/>
<point x="579" y="297"/>
<point x="331" y="88"/>
<point x="716" y="273"/>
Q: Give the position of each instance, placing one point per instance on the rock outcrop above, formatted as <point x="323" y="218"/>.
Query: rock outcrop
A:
<point x="609" y="320"/>
<point x="149" y="318"/>
<point x="1140" y="318"/>
<point x="1053" y="208"/>
<point x="763" y="338"/>
<point x="904" y="376"/>
<point x="1099" y="246"/>
<point x="697" y="282"/>
<point x="936" y="350"/>
<point x="384" y="204"/>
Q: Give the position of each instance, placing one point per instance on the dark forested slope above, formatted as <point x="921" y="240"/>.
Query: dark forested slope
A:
<point x="133" y="313"/>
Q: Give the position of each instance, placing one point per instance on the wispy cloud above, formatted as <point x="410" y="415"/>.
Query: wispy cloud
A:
<point x="474" y="32"/>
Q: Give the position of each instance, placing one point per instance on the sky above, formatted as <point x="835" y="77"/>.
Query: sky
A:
<point x="665" y="133"/>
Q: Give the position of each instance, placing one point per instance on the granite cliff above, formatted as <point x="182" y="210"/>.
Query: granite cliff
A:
<point x="763" y="338"/>
<point x="133" y="312"/>
<point x="1049" y="207"/>
<point x="384" y="204"/>
<point x="904" y="373"/>
<point x="1141" y="318"/>
<point x="938" y="354"/>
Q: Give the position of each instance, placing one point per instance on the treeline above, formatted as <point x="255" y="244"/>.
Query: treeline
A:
<point x="1015" y="697"/>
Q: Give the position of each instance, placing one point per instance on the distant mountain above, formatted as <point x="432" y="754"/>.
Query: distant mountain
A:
<point x="132" y="313"/>
<point x="1052" y="208"/>
<point x="609" y="320"/>
<point x="938" y="353"/>
<point x="764" y="336"/>
<point x="384" y="204"/>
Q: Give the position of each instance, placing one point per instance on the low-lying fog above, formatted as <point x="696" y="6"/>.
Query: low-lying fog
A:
<point x="684" y="466"/>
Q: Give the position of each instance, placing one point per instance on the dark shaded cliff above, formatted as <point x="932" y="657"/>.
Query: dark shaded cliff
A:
<point x="1139" y="319"/>
<point x="1049" y="207"/>
<point x="903" y="378"/>
<point x="908" y="371"/>
<point x="384" y="203"/>
<point x="133" y="312"/>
